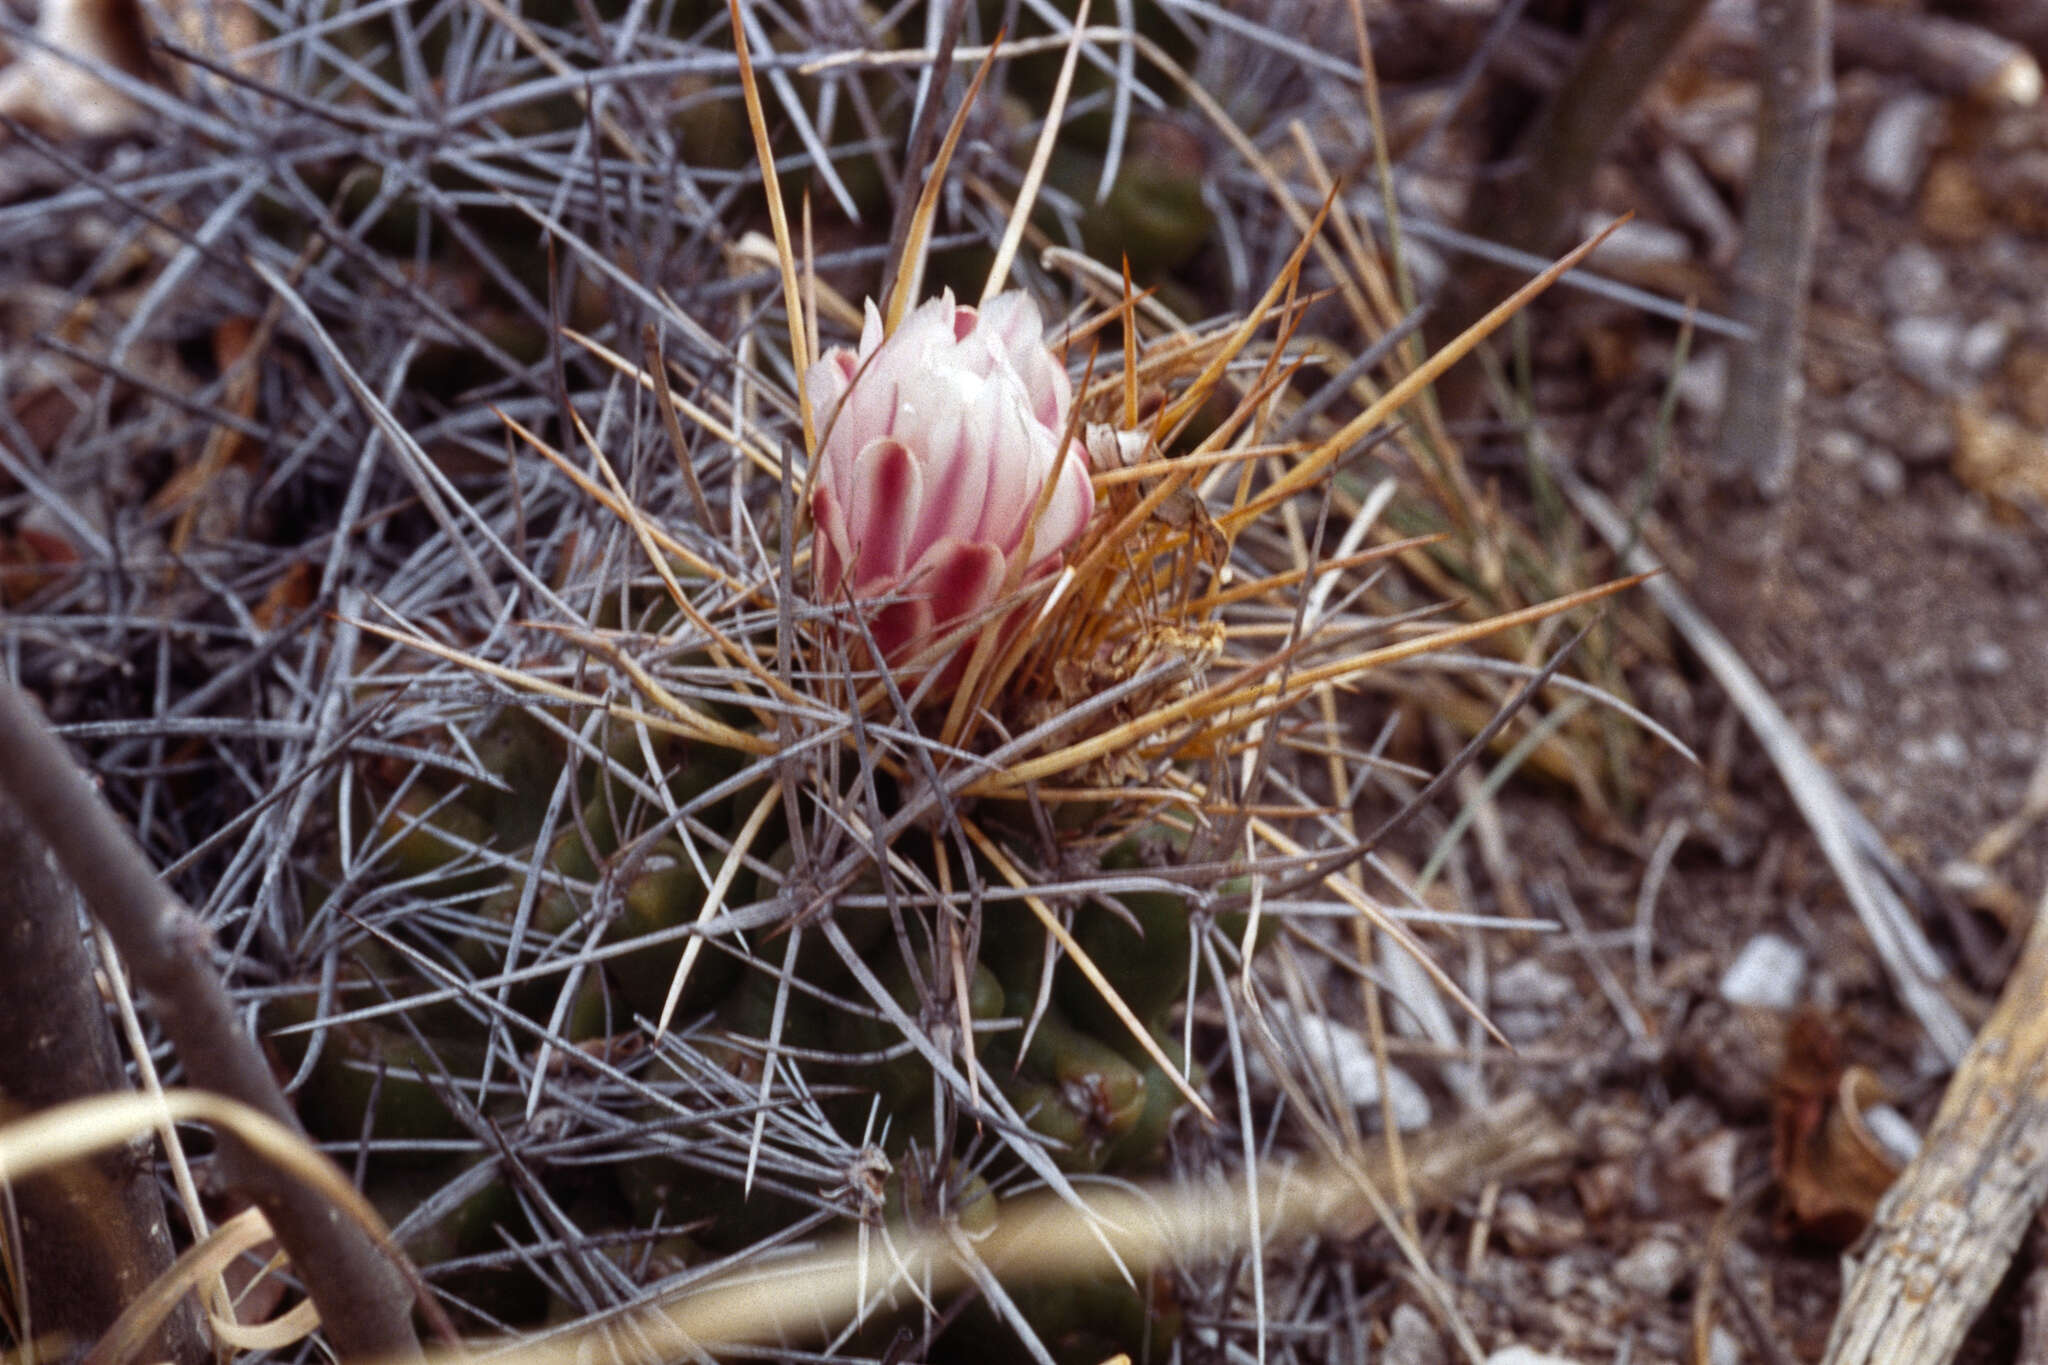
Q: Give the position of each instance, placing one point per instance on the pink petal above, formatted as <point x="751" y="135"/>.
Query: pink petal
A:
<point x="870" y="410"/>
<point x="954" y="452"/>
<point x="881" y="513"/>
<point x="943" y="434"/>
<point x="1016" y="468"/>
<point x="830" y="549"/>
<point x="870" y="330"/>
<point x="900" y="629"/>
<point x="826" y="382"/>
<point x="929" y="325"/>
<point x="1012" y="321"/>
<point x="982" y="349"/>
<point x="1052" y="393"/>
<point x="1067" y="510"/>
<point x="900" y="382"/>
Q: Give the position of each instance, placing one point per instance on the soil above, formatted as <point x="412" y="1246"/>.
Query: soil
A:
<point x="1893" y="603"/>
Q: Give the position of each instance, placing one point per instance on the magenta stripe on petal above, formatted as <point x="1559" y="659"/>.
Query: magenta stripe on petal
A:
<point x="956" y="478"/>
<point x="1016" y="469"/>
<point x="960" y="577"/>
<point x="830" y="552"/>
<point x="901" y="628"/>
<point x="882" y="509"/>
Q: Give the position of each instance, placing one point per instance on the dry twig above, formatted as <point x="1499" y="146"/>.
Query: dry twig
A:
<point x="1943" y="54"/>
<point x="1758" y="440"/>
<point x="94" y="1234"/>
<point x="1535" y="209"/>
<point x="1948" y="1228"/>
<point x="364" y="1302"/>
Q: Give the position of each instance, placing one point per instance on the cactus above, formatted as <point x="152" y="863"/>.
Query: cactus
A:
<point x="631" y="889"/>
<point x="605" y="865"/>
<point x="731" y="901"/>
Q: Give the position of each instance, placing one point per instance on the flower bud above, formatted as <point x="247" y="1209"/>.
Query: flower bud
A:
<point x="936" y="446"/>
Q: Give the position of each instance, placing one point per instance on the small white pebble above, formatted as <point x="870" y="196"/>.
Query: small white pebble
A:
<point x="1893" y="1131"/>
<point x="1988" y="659"/>
<point x="1412" y="1339"/>
<point x="1637" y="244"/>
<point x="1839" y="446"/>
<point x="1526" y="1355"/>
<point x="1529" y="984"/>
<point x="1709" y="1166"/>
<point x="1894" y="151"/>
<point x="1913" y="279"/>
<point x="1883" y="473"/>
<point x="1983" y="346"/>
<point x="1928" y="351"/>
<point x="1728" y="153"/>
<point x="1768" y="972"/>
<point x="1702" y="386"/>
<point x="1652" y="1268"/>
<point x="1348" y="1055"/>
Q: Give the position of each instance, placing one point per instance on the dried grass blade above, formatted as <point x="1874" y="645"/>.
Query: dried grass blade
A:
<point x="1414" y="382"/>
<point x="1284" y="282"/>
<point x="763" y="460"/>
<point x="1259" y="587"/>
<point x="778" y="220"/>
<point x="665" y="404"/>
<point x="644" y="532"/>
<point x="714" y="901"/>
<point x="685" y="722"/>
<point x="617" y="506"/>
<point x="80" y="1128"/>
<point x="910" y="269"/>
<point x="1270" y="697"/>
<point x="198" y="1266"/>
<point x="1348" y="892"/>
<point x="1034" y="173"/>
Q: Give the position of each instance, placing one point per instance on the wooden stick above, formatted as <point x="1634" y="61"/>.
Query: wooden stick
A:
<point x="1947" y="1230"/>
<point x="1946" y="55"/>
<point x="1975" y="57"/>
<point x="1537" y="208"/>
<point x="93" y="1235"/>
<point x="365" y="1303"/>
<point x="2033" y="1348"/>
<point x="1759" y="438"/>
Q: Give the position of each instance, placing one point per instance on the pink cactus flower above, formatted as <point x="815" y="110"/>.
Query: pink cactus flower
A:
<point x="936" y="445"/>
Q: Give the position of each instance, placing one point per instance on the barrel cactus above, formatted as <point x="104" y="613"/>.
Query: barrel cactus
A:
<point x="843" y="846"/>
